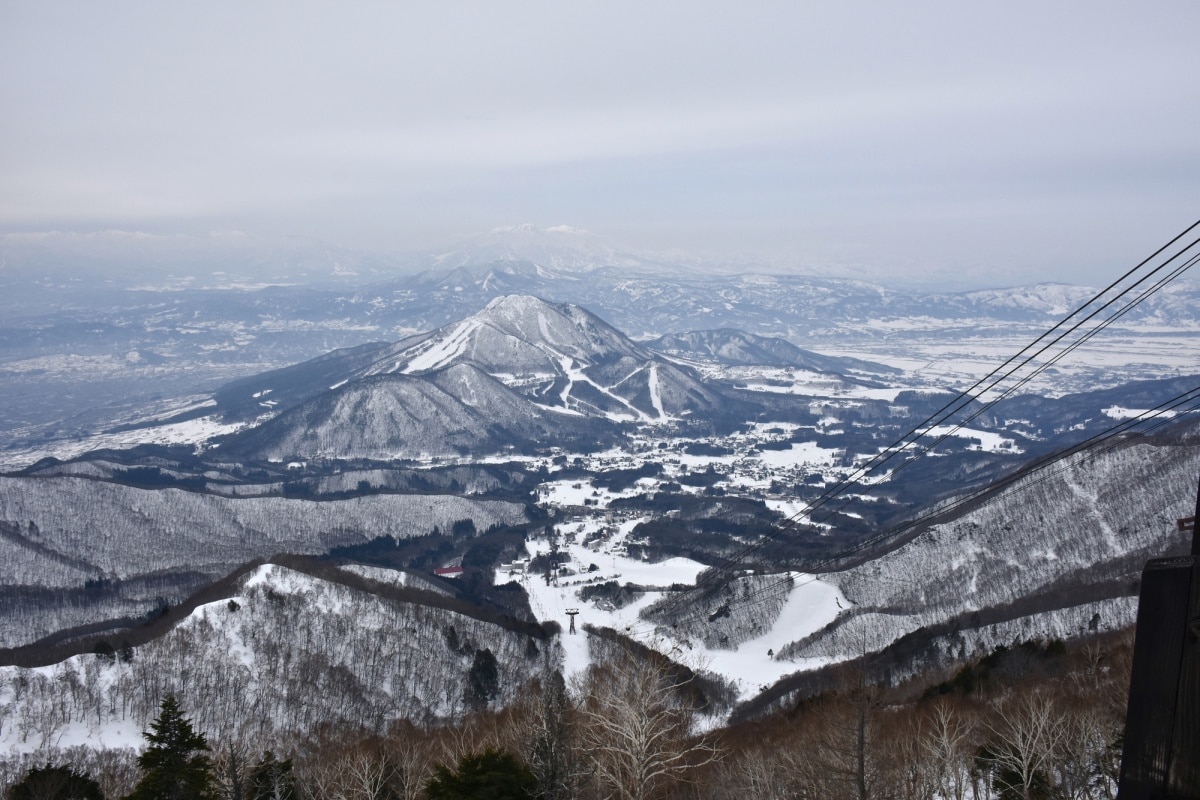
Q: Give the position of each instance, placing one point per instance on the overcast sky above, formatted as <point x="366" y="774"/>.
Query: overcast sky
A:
<point x="994" y="142"/>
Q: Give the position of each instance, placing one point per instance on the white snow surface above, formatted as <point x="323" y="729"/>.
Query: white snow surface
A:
<point x="1120" y="413"/>
<point x="801" y="453"/>
<point x="989" y="442"/>
<point x="195" y="431"/>
<point x="751" y="667"/>
<point x="811" y="605"/>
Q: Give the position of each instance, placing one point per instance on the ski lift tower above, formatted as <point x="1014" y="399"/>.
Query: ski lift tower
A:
<point x="571" y="612"/>
<point x="1161" y="758"/>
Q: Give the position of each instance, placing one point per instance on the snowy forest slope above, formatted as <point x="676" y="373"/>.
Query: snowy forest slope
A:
<point x="288" y="653"/>
<point x="1056" y="534"/>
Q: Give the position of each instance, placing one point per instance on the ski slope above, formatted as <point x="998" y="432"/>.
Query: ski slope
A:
<point x="811" y="604"/>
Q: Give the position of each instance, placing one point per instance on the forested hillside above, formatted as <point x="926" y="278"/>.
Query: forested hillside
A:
<point x="285" y="654"/>
<point x="77" y="550"/>
<point x="1073" y="532"/>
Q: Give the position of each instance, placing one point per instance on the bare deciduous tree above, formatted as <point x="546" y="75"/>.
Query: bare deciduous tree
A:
<point x="552" y="746"/>
<point x="411" y="751"/>
<point x="635" y="729"/>
<point x="362" y="771"/>
<point x="368" y="774"/>
<point x="948" y="738"/>
<point x="761" y="772"/>
<point x="846" y="743"/>
<point x="229" y="766"/>
<point x="1026" y="741"/>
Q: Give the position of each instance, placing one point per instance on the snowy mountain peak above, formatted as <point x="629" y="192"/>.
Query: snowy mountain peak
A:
<point x="518" y="372"/>
<point x="530" y="228"/>
<point x="558" y="247"/>
<point x="521" y="332"/>
<point x="520" y="303"/>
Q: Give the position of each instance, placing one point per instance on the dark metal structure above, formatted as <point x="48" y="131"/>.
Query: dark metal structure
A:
<point x="1161" y="759"/>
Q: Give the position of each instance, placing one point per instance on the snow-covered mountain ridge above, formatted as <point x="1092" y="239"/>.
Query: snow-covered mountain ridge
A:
<point x="358" y="657"/>
<point x="1094" y="519"/>
<point x="518" y="336"/>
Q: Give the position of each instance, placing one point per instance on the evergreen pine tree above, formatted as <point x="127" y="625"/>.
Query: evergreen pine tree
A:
<point x="483" y="680"/>
<point x="271" y="779"/>
<point x="490" y="775"/>
<point x="174" y="766"/>
<point x="55" y="783"/>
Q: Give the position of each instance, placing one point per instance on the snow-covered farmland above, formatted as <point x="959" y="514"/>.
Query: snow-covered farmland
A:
<point x="988" y="441"/>
<point x="1122" y="413"/>
<point x="569" y="493"/>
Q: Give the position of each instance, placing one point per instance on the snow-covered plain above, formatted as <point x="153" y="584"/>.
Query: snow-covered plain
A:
<point x="194" y="432"/>
<point x="937" y="357"/>
<point x="1120" y="412"/>
<point x="988" y="441"/>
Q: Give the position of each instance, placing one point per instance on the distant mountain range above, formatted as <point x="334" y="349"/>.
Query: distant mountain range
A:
<point x="135" y="323"/>
<point x="644" y="295"/>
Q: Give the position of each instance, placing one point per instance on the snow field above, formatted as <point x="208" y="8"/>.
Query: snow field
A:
<point x="805" y="453"/>
<point x="1120" y="413"/>
<point x="751" y="667"/>
<point x="196" y="431"/>
<point x="989" y="442"/>
<point x="931" y="357"/>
